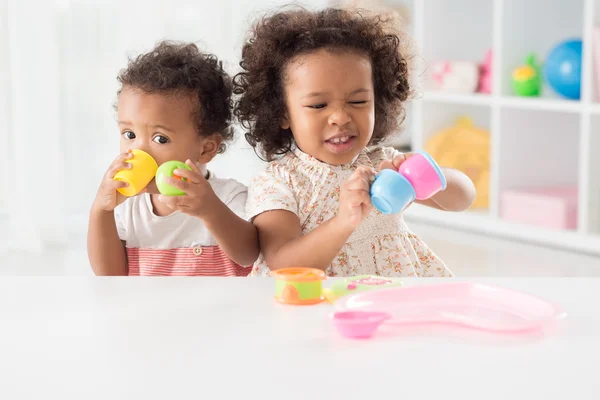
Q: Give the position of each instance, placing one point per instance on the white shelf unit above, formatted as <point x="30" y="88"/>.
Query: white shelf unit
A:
<point x="534" y="141"/>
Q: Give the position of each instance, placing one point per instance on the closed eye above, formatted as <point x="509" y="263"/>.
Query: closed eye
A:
<point x="317" y="106"/>
<point x="359" y="102"/>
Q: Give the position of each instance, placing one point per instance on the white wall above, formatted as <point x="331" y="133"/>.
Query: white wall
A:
<point x="87" y="42"/>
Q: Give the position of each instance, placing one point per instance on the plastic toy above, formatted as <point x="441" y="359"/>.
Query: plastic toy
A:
<point x="465" y="148"/>
<point x="142" y="171"/>
<point x="455" y="76"/>
<point x="485" y="74"/>
<point x="552" y="207"/>
<point x="358" y="284"/>
<point x="165" y="171"/>
<point x="419" y="177"/>
<point x="527" y="79"/>
<point x="562" y="68"/>
<point x="299" y="286"/>
<point x="470" y="305"/>
<point x="358" y="324"/>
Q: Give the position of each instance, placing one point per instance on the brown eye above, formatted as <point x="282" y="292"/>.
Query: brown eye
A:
<point x="129" y="135"/>
<point x="160" y="139"/>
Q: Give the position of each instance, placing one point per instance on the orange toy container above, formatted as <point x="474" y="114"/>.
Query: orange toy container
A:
<point x="299" y="286"/>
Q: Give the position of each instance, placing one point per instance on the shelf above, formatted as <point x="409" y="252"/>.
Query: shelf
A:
<point x="540" y="103"/>
<point x="458" y="98"/>
<point x="526" y="103"/>
<point x="595" y="108"/>
<point x="535" y="27"/>
<point x="484" y="224"/>
<point x="535" y="142"/>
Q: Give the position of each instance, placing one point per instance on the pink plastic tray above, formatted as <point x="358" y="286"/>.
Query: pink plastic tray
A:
<point x="466" y="304"/>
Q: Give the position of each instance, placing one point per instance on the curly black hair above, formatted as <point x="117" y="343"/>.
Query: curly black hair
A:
<point x="277" y="39"/>
<point x="173" y="67"/>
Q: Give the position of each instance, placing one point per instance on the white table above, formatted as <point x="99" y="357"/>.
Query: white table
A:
<point x="214" y="338"/>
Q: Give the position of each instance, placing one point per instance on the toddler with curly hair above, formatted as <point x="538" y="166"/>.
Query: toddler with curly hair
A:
<point x="175" y="104"/>
<point x="319" y="92"/>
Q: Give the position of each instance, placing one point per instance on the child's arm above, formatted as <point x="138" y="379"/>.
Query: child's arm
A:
<point x="284" y="245"/>
<point x="106" y="252"/>
<point x="458" y="196"/>
<point x="235" y="236"/>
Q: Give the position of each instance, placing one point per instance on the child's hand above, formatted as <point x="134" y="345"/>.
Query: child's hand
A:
<point x="107" y="197"/>
<point x="355" y="199"/>
<point x="396" y="162"/>
<point x="199" y="199"/>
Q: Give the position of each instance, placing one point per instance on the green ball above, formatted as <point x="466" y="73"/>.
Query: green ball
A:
<point x="165" y="171"/>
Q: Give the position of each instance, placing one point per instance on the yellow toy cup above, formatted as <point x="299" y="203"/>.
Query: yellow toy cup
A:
<point x="142" y="171"/>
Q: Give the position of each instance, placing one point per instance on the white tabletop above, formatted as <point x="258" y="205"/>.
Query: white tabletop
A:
<point x="213" y="338"/>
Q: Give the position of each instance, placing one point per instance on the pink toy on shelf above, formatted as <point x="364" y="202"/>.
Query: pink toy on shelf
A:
<point x="455" y="76"/>
<point x="485" y="76"/>
<point x="553" y="207"/>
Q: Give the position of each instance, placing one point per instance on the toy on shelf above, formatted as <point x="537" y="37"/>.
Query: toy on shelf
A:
<point x="419" y="177"/>
<point x="485" y="74"/>
<point x="466" y="148"/>
<point x="165" y="171"/>
<point x="527" y="79"/>
<point x="552" y="207"/>
<point x="455" y="76"/>
<point x="470" y="305"/>
<point x="562" y="68"/>
<point x="299" y="286"/>
<point x="142" y="171"/>
<point x="358" y="284"/>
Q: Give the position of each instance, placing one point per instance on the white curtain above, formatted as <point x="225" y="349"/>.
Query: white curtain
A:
<point x="58" y="64"/>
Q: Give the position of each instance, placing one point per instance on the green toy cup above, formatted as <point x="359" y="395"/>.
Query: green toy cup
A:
<point x="165" y="171"/>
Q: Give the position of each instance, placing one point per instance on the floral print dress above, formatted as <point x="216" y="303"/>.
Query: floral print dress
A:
<point x="382" y="245"/>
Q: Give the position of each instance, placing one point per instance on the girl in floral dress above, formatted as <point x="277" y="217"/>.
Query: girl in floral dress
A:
<point x="318" y="93"/>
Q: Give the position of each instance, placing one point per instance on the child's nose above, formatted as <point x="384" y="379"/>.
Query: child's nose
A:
<point x="339" y="116"/>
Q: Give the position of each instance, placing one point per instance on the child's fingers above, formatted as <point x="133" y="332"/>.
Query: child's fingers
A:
<point x="358" y="198"/>
<point x="116" y="167"/>
<point x="184" y="186"/>
<point x="357" y="184"/>
<point x="194" y="167"/>
<point x="112" y="184"/>
<point x="399" y="159"/>
<point x="363" y="171"/>
<point x="362" y="178"/>
<point x="191" y="176"/>
<point x="387" y="165"/>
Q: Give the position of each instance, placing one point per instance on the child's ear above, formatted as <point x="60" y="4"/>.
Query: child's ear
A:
<point x="285" y="123"/>
<point x="209" y="147"/>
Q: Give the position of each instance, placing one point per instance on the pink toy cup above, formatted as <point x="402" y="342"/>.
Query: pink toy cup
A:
<point x="424" y="174"/>
<point x="358" y="324"/>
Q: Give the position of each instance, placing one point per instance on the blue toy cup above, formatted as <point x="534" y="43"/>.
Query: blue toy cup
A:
<point x="391" y="192"/>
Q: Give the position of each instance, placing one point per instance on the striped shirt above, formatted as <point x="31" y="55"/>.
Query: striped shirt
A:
<point x="177" y="244"/>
